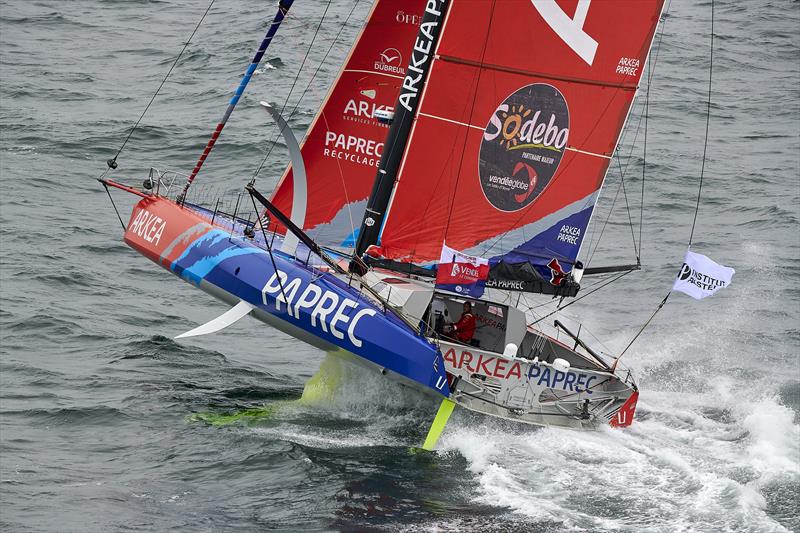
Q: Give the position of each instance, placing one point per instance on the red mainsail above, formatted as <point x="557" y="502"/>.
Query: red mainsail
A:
<point x="344" y="144"/>
<point x="522" y="111"/>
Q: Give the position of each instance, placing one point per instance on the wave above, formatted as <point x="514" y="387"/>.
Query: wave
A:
<point x="68" y="416"/>
<point x="675" y="468"/>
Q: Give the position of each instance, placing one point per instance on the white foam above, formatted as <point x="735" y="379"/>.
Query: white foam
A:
<point x="773" y="443"/>
<point x="678" y="467"/>
<point x="370" y="404"/>
<point x="693" y="460"/>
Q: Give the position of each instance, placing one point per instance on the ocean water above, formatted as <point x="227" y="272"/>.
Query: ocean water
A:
<point x="99" y="424"/>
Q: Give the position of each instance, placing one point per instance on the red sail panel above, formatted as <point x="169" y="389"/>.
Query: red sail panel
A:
<point x="548" y="37"/>
<point x="516" y="128"/>
<point x="343" y="146"/>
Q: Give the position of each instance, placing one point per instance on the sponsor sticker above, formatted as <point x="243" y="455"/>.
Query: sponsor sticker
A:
<point x="523" y="145"/>
<point x="310" y="303"/>
<point x="557" y="274"/>
<point x="628" y="66"/>
<point x="352" y="148"/>
<point x="391" y="62"/>
<point x="407" y="18"/>
<point x="148" y="226"/>
<point x="362" y="108"/>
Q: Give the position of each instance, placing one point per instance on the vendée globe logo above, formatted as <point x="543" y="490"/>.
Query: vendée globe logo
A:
<point x="522" y="146"/>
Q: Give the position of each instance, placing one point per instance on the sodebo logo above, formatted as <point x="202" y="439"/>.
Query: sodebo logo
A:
<point x="522" y="146"/>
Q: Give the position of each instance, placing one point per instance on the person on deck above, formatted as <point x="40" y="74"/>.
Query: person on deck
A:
<point x="464" y="329"/>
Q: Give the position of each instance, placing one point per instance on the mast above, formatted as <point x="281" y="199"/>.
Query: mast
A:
<point x="283" y="9"/>
<point x="397" y="138"/>
<point x="344" y="144"/>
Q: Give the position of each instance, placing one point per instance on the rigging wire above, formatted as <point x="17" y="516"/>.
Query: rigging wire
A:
<point x="498" y="239"/>
<point x="114" y="205"/>
<point x="621" y="186"/>
<point x="291" y="90"/>
<point x="269" y="248"/>
<point x="644" y="164"/>
<point x="297" y="106"/>
<point x="624" y="171"/>
<point x="112" y="163"/>
<point x="651" y="70"/>
<point x="708" y="116"/>
<point x="583" y="289"/>
<point x="700" y="186"/>
<point x="603" y="228"/>
<point x="647" y="323"/>
<point x="630" y="220"/>
<point x="581" y="297"/>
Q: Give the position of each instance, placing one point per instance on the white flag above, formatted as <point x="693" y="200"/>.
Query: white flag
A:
<point x="700" y="276"/>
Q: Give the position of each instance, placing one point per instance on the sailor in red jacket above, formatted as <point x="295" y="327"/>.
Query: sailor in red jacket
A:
<point x="464" y="329"/>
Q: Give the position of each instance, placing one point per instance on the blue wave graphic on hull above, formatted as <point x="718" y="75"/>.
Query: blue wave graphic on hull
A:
<point x="204" y="254"/>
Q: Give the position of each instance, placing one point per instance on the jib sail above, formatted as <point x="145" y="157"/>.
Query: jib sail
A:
<point x="523" y="108"/>
<point x="345" y="142"/>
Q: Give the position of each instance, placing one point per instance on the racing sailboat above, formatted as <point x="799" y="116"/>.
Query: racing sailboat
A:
<point x="476" y="131"/>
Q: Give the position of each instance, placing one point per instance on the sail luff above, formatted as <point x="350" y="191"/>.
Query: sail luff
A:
<point x="280" y="15"/>
<point x="436" y="58"/>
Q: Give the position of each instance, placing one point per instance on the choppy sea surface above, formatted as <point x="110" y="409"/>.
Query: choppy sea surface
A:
<point x="99" y="424"/>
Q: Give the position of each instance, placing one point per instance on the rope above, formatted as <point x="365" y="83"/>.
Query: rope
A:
<point x="115" y="207"/>
<point x="614" y="366"/>
<point x="623" y="171"/>
<point x="650" y="72"/>
<point x="708" y="120"/>
<point x="112" y="163"/>
<point x="583" y="293"/>
<point x="699" y="191"/>
<point x="603" y="228"/>
<point x="609" y="282"/>
<point x="272" y="30"/>
<point x="630" y="220"/>
<point x="269" y="250"/>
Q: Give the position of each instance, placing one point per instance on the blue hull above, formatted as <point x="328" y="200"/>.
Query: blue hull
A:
<point x="311" y="304"/>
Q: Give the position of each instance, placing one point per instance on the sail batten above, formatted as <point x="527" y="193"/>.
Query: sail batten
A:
<point x="535" y="74"/>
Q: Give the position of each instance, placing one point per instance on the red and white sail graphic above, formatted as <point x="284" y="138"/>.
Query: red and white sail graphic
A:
<point x="344" y="144"/>
<point x="522" y="111"/>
